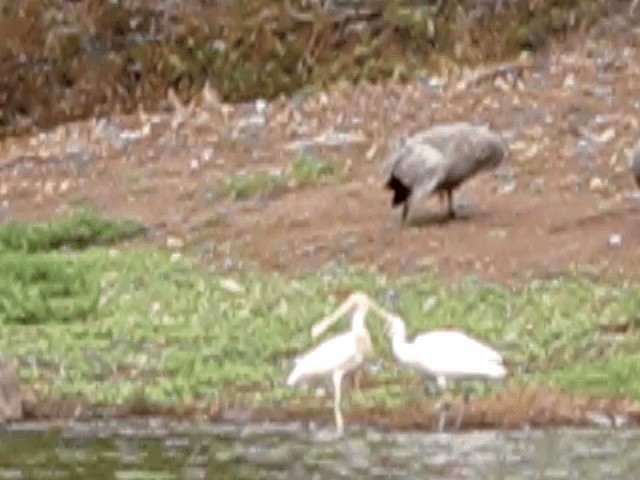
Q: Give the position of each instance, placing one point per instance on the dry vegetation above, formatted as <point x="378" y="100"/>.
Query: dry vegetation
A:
<point x="62" y="61"/>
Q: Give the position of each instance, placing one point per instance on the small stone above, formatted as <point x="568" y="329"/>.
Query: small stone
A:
<point x="615" y="240"/>
<point x="230" y="285"/>
<point x="498" y="233"/>
<point x="600" y="419"/>
<point x="174" y="242"/>
<point x="507" y="188"/>
<point x="346" y="244"/>
<point x="260" y="105"/>
<point x="501" y="84"/>
<point x="48" y="187"/>
<point x="207" y="155"/>
<point x="536" y="185"/>
<point x="64" y="185"/>
<point x="608" y="135"/>
<point x="309" y="249"/>
<point x="569" y="81"/>
<point x="175" y="256"/>
<point x="584" y="148"/>
<point x="596" y="184"/>
<point x="195" y="164"/>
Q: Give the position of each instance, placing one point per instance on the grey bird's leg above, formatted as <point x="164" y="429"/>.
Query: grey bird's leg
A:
<point x="405" y="210"/>
<point x="451" y="213"/>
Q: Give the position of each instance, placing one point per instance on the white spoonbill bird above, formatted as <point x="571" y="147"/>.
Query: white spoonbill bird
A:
<point x="445" y="355"/>
<point x="337" y="355"/>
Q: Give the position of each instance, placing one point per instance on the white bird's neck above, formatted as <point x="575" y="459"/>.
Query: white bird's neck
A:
<point x="401" y="349"/>
<point x="357" y="320"/>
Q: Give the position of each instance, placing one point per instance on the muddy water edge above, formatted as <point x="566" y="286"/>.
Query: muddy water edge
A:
<point x="160" y="450"/>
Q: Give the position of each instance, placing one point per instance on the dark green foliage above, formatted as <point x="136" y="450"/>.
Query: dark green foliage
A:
<point x="39" y="285"/>
<point x="80" y="230"/>
<point x="46" y="288"/>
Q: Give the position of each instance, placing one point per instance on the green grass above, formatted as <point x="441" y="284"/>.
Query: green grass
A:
<point x="46" y="288"/>
<point x="171" y="330"/>
<point x="302" y="171"/>
<point x="78" y="230"/>
<point x="41" y="285"/>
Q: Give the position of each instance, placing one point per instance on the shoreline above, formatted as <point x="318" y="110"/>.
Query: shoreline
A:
<point x="512" y="409"/>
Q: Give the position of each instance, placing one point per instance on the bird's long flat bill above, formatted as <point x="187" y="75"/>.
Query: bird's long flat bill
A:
<point x="355" y="300"/>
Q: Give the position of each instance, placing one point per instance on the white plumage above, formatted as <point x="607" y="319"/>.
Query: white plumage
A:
<point x="445" y="355"/>
<point x="338" y="355"/>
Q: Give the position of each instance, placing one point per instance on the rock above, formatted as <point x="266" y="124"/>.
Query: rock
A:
<point x="596" y="184"/>
<point x="615" y="240"/>
<point x="607" y="419"/>
<point x="347" y="244"/>
<point x="10" y="391"/>
<point x="64" y="185"/>
<point x="174" y="242"/>
<point x="608" y="135"/>
<point x="569" y="81"/>
<point x="536" y="185"/>
<point x="230" y="285"/>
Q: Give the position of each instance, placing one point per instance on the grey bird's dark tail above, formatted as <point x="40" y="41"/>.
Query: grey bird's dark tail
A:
<point x="400" y="191"/>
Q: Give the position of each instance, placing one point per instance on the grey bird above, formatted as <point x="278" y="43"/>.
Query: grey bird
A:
<point x="635" y="163"/>
<point x="439" y="160"/>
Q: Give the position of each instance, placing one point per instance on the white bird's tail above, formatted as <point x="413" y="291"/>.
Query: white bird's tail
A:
<point x="495" y="370"/>
<point x="294" y="376"/>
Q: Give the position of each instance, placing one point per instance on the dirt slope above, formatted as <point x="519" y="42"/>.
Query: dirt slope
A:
<point x="563" y="195"/>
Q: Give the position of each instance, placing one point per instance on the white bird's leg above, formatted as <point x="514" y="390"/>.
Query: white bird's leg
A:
<point x="441" y="419"/>
<point x="442" y="405"/>
<point x="337" y="381"/>
<point x="465" y="398"/>
<point x="460" y="416"/>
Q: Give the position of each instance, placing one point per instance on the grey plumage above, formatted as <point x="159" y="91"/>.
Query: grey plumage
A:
<point x="440" y="159"/>
<point x="635" y="163"/>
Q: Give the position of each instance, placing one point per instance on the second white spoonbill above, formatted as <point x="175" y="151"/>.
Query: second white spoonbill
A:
<point x="445" y="355"/>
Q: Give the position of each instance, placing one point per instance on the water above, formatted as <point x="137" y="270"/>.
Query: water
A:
<point x="158" y="451"/>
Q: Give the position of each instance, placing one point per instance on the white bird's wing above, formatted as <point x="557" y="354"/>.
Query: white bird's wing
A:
<point x="453" y="353"/>
<point x="339" y="352"/>
<point x="452" y="342"/>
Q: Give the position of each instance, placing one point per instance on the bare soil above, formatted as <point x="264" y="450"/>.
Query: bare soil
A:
<point x="569" y="118"/>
